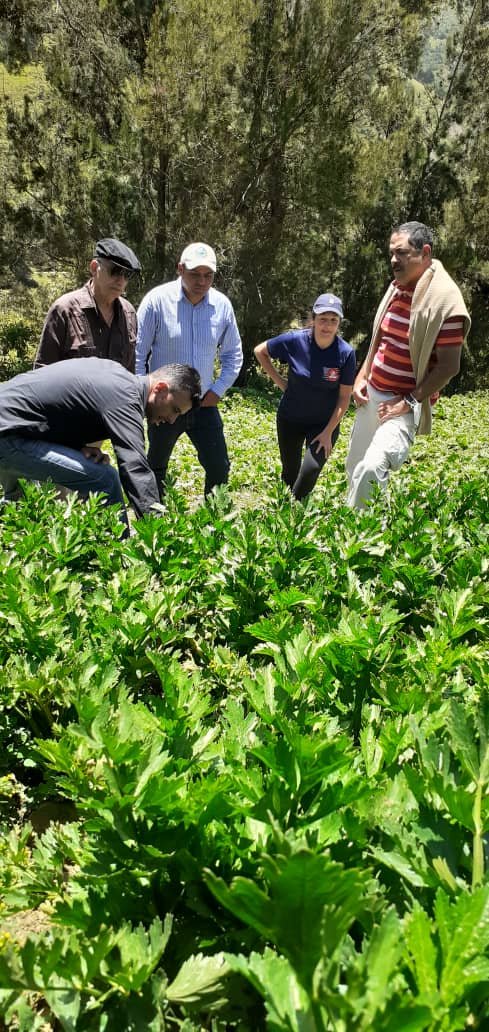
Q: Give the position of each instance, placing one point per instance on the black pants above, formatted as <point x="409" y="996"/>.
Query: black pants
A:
<point x="300" y="474"/>
<point x="205" y="429"/>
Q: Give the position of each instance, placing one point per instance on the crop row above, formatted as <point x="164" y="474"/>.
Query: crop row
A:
<point x="244" y="776"/>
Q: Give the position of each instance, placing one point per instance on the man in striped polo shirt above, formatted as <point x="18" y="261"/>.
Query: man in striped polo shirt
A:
<point x="417" y="338"/>
<point x="188" y="317"/>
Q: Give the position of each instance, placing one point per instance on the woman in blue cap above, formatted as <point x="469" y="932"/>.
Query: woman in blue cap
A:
<point x="316" y="392"/>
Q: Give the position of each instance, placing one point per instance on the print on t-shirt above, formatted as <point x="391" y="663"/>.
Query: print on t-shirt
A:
<point x="332" y="375"/>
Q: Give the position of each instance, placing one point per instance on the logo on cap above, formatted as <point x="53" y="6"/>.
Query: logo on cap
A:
<point x="198" y="254"/>
<point x="328" y="303"/>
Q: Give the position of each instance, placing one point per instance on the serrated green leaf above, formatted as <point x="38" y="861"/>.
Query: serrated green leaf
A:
<point x="418" y="934"/>
<point x="199" y="979"/>
<point x="244" y="899"/>
<point x="477" y="971"/>
<point x="201" y="744"/>
<point x="464" y="933"/>
<point x="65" y="1004"/>
<point x="310" y="904"/>
<point x="154" y="766"/>
<point x="399" y="863"/>
<point x="462" y="740"/>
<point x="140" y="952"/>
<point x="288" y="1005"/>
<point x="371" y="751"/>
<point x="408" y="1019"/>
<point x="382" y="954"/>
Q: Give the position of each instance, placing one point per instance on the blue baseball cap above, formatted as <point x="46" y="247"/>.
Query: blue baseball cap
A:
<point x="328" y="303"/>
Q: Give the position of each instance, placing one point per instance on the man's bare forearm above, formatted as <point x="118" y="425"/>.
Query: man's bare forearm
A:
<point x="447" y="366"/>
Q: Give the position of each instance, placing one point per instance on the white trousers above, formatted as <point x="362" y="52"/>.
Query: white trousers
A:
<point x="377" y="448"/>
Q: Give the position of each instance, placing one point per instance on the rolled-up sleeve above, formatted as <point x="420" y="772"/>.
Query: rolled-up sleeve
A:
<point x="146" y="319"/>
<point x="230" y="355"/>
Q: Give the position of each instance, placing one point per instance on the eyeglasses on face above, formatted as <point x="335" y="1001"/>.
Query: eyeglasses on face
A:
<point x="115" y="271"/>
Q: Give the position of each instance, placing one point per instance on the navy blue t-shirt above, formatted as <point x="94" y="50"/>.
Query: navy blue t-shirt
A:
<point x="315" y="374"/>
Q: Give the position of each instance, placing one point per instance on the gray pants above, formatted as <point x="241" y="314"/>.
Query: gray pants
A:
<point x="377" y="448"/>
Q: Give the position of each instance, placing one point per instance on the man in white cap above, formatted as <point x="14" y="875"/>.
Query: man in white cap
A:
<point x="187" y="320"/>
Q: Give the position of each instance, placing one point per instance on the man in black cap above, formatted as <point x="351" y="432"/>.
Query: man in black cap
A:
<point x="95" y="321"/>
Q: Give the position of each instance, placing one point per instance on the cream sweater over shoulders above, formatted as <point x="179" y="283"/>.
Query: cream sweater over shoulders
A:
<point x="435" y="299"/>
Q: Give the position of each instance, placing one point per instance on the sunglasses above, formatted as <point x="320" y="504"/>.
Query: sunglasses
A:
<point x="119" y="270"/>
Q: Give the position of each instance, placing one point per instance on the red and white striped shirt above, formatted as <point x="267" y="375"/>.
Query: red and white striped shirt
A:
<point x="392" y="369"/>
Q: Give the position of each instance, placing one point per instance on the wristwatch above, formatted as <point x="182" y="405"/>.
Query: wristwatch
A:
<point x="411" y="401"/>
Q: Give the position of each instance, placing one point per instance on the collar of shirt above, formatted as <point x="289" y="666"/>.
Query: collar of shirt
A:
<point x="88" y="300"/>
<point x="183" y="297"/>
<point x="144" y="385"/>
<point x="407" y="291"/>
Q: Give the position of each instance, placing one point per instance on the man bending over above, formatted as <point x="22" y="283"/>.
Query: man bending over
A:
<point x="47" y="417"/>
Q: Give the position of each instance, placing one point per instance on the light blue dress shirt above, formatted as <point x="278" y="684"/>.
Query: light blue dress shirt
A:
<point x="171" y="329"/>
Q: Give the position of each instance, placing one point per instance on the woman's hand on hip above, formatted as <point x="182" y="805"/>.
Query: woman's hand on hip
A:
<point x="323" y="441"/>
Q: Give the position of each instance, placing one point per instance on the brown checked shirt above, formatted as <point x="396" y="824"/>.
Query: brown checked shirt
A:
<point x="74" y="328"/>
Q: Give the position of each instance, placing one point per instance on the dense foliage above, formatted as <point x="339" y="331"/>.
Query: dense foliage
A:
<point x="262" y="730"/>
<point x="292" y="135"/>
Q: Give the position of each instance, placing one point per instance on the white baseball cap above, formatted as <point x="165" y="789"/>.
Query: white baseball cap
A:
<point x="199" y="254"/>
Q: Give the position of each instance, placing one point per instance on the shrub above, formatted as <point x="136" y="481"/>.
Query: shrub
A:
<point x="18" y="342"/>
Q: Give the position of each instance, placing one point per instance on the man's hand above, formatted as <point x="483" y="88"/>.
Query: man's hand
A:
<point x="360" y="392"/>
<point x="395" y="407"/>
<point x="96" y="454"/>
<point x="210" y="399"/>
<point x="323" y="440"/>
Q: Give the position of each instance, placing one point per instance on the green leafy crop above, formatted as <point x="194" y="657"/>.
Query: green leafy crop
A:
<point x="244" y="766"/>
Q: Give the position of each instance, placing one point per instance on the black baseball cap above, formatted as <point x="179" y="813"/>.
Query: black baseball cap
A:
<point x="117" y="252"/>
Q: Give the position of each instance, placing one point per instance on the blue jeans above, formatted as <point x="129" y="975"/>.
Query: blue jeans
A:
<point x="35" y="459"/>
<point x="205" y="429"/>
